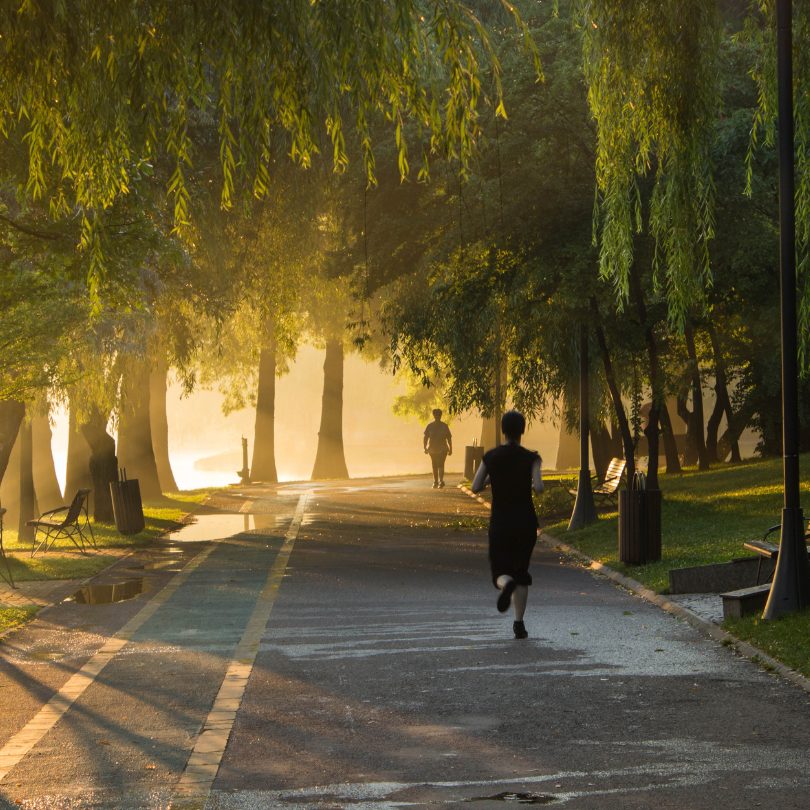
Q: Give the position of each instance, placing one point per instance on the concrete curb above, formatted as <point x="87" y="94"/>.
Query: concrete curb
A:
<point x="709" y="629"/>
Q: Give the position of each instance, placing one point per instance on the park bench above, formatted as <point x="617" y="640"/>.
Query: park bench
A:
<point x="607" y="488"/>
<point x="70" y="526"/>
<point x="765" y="549"/>
<point x="746" y="601"/>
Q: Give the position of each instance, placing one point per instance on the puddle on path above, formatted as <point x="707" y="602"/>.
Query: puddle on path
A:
<point x="109" y="593"/>
<point x="213" y="527"/>
<point x="517" y="798"/>
<point x="222" y="526"/>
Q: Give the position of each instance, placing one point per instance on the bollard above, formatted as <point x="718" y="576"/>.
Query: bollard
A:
<point x="244" y="473"/>
<point x="473" y="454"/>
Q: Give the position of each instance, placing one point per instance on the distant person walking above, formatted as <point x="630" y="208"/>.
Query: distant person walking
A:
<point x="438" y="445"/>
<point x="513" y="472"/>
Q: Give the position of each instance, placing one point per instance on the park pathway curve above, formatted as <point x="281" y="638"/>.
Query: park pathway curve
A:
<point x="336" y="645"/>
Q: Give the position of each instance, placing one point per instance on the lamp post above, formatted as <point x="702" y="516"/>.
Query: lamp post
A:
<point x="791" y="582"/>
<point x="584" y="509"/>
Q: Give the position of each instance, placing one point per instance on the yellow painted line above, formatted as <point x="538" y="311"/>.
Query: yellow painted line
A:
<point x="203" y="764"/>
<point x="53" y="711"/>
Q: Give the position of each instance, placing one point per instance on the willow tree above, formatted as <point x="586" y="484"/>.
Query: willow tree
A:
<point x="102" y="92"/>
<point x="760" y="30"/>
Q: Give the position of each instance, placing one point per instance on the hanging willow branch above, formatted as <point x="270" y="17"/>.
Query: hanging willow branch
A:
<point x="653" y="92"/>
<point x="760" y="30"/>
<point x="100" y="90"/>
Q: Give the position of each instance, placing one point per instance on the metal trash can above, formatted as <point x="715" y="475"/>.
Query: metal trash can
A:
<point x="639" y="522"/>
<point x="127" y="504"/>
<point x="473" y="454"/>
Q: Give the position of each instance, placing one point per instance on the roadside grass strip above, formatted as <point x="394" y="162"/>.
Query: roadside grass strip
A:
<point x="706" y="517"/>
<point x="195" y="784"/>
<point x="53" y="711"/>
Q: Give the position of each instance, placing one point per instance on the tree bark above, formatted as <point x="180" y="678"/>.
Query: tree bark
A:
<point x="11" y="415"/>
<point x="46" y="484"/>
<point x="657" y="399"/>
<point x="263" y="467"/>
<point x="103" y="464"/>
<point x="736" y="425"/>
<point x="601" y="448"/>
<point x="77" y="474"/>
<point x="670" y="445"/>
<point x="489" y="435"/>
<point x="698" y="420"/>
<point x="722" y="403"/>
<point x="28" y="505"/>
<point x="160" y="426"/>
<point x="616" y="396"/>
<point x="330" y="461"/>
<point x="135" y="451"/>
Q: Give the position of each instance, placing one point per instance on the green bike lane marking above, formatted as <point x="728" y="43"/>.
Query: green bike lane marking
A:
<point x="135" y="632"/>
<point x="201" y="769"/>
<point x="56" y="708"/>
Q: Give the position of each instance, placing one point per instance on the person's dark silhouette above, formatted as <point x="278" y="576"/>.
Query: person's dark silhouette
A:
<point x="438" y="442"/>
<point x="513" y="472"/>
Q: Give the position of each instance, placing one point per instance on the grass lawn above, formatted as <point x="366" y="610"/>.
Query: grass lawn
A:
<point x="65" y="561"/>
<point x="706" y="517"/>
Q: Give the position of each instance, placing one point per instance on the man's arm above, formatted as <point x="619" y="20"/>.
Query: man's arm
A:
<point x="449" y="442"/>
<point x="480" y="480"/>
<point x="425" y="440"/>
<point x="537" y="476"/>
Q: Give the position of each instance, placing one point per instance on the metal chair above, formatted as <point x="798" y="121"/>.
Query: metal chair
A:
<point x="69" y="526"/>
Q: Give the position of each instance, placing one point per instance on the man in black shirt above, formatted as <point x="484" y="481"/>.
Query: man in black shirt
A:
<point x="438" y="443"/>
<point x="513" y="473"/>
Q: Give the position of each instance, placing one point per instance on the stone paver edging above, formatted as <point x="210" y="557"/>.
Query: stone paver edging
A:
<point x="743" y="648"/>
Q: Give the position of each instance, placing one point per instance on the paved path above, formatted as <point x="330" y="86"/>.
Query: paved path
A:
<point x="341" y="649"/>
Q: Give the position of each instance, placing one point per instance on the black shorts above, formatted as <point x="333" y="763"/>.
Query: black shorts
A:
<point x="510" y="552"/>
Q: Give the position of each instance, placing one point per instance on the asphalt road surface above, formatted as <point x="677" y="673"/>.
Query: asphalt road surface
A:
<point x="337" y="645"/>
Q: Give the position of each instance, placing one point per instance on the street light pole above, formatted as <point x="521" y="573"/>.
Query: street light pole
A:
<point x="791" y="582"/>
<point x="584" y="509"/>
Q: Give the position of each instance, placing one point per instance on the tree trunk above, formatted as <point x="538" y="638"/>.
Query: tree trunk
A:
<point x="330" y="461"/>
<point x="263" y="467"/>
<point x="601" y="448"/>
<point x="670" y="445"/>
<point x="160" y="426"/>
<point x="690" y="453"/>
<point x="489" y="435"/>
<point x="10" y="487"/>
<point x="11" y="415"/>
<point x="103" y="464"/>
<point x="46" y="484"/>
<point x="736" y="425"/>
<point x="722" y="403"/>
<point x="698" y="421"/>
<point x="77" y="474"/>
<point x="616" y="396"/>
<point x="657" y="398"/>
<point x="28" y="505"/>
<point x="135" y="451"/>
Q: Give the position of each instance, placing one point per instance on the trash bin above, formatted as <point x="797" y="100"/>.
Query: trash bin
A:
<point x="639" y="522"/>
<point x="473" y="454"/>
<point x="127" y="504"/>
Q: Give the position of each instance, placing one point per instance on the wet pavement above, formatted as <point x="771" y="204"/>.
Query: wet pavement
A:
<point x="343" y="650"/>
